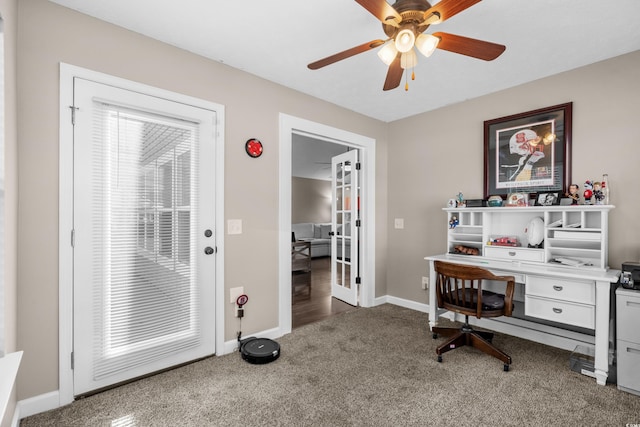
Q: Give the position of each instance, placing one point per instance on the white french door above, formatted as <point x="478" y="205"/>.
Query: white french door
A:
<point x="143" y="243"/>
<point x="345" y="239"/>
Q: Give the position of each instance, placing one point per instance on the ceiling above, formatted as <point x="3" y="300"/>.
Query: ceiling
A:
<point x="311" y="158"/>
<point x="276" y="39"/>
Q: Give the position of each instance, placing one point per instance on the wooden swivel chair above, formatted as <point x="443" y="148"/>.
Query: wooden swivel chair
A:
<point x="459" y="289"/>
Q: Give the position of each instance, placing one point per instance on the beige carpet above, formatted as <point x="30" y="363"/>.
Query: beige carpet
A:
<point x="367" y="367"/>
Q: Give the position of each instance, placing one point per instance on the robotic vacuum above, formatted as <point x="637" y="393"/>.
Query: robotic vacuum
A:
<point x="259" y="350"/>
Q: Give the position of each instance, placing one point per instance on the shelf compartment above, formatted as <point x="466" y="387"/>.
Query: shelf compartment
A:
<point x="574" y="244"/>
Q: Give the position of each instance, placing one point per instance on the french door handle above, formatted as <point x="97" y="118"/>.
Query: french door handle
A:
<point x="208" y="250"/>
<point x="331" y="233"/>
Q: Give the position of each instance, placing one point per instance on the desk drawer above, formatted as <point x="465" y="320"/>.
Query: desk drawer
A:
<point x="514" y="254"/>
<point x="583" y="292"/>
<point x="581" y="315"/>
<point x="628" y="317"/>
<point x="628" y="362"/>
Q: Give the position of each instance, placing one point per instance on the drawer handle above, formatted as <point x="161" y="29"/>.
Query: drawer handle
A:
<point x="512" y="253"/>
<point x="557" y="310"/>
<point x="633" y="350"/>
<point x="557" y="288"/>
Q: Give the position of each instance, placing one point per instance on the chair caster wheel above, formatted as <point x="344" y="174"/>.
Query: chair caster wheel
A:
<point x="434" y="335"/>
<point x="439" y="359"/>
<point x="506" y="367"/>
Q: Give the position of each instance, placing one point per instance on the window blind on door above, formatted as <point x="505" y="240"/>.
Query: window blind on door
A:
<point x="144" y="210"/>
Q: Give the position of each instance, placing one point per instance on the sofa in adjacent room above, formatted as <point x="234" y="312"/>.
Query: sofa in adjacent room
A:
<point x="317" y="234"/>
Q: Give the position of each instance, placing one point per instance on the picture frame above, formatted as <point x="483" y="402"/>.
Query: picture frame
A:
<point x="548" y="199"/>
<point x="528" y="152"/>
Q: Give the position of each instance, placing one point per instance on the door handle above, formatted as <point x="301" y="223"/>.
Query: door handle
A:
<point x="208" y="250"/>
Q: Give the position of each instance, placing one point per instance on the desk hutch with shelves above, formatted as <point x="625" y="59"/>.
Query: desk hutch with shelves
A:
<point x="560" y="304"/>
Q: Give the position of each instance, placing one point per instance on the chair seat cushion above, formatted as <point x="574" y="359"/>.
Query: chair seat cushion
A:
<point x="492" y="301"/>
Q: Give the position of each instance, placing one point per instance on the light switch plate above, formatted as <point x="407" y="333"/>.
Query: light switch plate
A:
<point x="234" y="226"/>
<point x="399" y="223"/>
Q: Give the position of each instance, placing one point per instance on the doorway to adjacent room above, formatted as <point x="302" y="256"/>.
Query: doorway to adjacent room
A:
<point x="290" y="128"/>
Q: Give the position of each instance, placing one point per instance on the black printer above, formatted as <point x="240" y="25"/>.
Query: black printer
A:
<point x="630" y="277"/>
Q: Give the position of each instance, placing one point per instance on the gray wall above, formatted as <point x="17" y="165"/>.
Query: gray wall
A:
<point x="310" y="200"/>
<point x="438" y="154"/>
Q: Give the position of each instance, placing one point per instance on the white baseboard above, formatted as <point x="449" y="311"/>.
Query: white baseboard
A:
<point x="231" y="346"/>
<point x="37" y="404"/>
<point x="424" y="308"/>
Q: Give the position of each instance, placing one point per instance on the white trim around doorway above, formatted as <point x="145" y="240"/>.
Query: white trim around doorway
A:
<point x="290" y="125"/>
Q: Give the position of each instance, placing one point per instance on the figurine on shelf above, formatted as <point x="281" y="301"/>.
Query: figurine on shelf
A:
<point x="460" y="200"/>
<point x="597" y="193"/>
<point x="573" y="194"/>
<point x="588" y="192"/>
<point x="453" y="222"/>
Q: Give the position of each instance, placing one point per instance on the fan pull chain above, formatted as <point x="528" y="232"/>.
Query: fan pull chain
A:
<point x="406" y="79"/>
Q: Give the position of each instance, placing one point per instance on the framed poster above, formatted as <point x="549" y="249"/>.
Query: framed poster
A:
<point x="528" y="152"/>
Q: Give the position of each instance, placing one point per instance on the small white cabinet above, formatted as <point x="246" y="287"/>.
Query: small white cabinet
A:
<point x="628" y="339"/>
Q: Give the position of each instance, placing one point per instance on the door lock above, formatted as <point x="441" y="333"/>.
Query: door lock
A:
<point x="208" y="250"/>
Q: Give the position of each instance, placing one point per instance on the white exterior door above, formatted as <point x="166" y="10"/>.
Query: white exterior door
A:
<point x="143" y="243"/>
<point x="345" y="239"/>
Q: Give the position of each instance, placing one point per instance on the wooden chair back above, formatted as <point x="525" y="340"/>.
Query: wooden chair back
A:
<point x="459" y="289"/>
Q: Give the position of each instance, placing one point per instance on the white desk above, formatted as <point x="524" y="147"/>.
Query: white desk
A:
<point x="591" y="294"/>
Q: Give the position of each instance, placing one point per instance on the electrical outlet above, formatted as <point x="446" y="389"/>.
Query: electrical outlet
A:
<point x="425" y="282"/>
<point x="234" y="293"/>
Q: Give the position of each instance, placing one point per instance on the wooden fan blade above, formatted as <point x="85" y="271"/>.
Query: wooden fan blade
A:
<point x="394" y="75"/>
<point x="471" y="47"/>
<point x="381" y="10"/>
<point x="448" y="8"/>
<point x="345" y="54"/>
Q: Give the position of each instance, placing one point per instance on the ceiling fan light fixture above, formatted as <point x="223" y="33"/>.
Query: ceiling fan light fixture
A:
<point x="408" y="59"/>
<point x="427" y="43"/>
<point x="405" y="39"/>
<point x="388" y="53"/>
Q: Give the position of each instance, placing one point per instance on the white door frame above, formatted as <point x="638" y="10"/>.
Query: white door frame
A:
<point x="65" y="278"/>
<point x="367" y="146"/>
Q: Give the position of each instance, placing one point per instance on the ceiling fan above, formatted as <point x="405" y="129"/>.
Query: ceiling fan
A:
<point x="404" y="23"/>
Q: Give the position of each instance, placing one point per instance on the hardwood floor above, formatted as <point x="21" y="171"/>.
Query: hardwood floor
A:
<point x="308" y="308"/>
